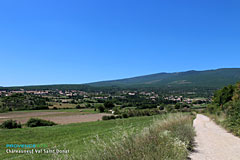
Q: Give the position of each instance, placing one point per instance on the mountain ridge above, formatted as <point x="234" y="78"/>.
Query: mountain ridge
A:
<point x="214" y="78"/>
<point x="207" y="78"/>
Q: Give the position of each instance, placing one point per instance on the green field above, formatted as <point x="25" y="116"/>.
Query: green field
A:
<point x="70" y="137"/>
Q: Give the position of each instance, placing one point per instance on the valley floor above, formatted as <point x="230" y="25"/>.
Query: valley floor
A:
<point x="74" y="137"/>
<point x="57" y="116"/>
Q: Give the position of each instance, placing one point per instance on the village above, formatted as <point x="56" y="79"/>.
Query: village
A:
<point x="69" y="96"/>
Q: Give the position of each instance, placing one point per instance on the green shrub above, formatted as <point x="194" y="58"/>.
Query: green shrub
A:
<point x="109" y="104"/>
<point x="141" y="112"/>
<point x="35" y="122"/>
<point x="233" y="117"/>
<point x="112" y="117"/>
<point x="134" y="113"/>
<point x="101" y="108"/>
<point x="227" y="102"/>
<point x="119" y="116"/>
<point x="116" y="110"/>
<point x="105" y="117"/>
<point x="2" y="110"/>
<point x="78" y="107"/>
<point x="125" y="115"/>
<point x="212" y="108"/>
<point x="40" y="107"/>
<point x="54" y="108"/>
<point x="109" y="117"/>
<point x="10" y="124"/>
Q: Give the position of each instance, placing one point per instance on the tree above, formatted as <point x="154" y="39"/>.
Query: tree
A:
<point x="224" y="95"/>
<point x="116" y="110"/>
<point x="101" y="108"/>
<point x="236" y="95"/>
<point x="88" y="105"/>
<point x="178" y="106"/>
<point x="109" y="104"/>
<point x="78" y="107"/>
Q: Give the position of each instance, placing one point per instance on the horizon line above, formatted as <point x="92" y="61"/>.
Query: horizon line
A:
<point x="86" y="83"/>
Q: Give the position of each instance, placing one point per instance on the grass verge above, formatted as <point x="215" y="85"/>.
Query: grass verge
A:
<point x="170" y="137"/>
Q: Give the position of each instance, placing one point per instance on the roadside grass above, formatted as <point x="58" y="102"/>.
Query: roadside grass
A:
<point x="217" y="118"/>
<point x="170" y="137"/>
<point x="74" y="137"/>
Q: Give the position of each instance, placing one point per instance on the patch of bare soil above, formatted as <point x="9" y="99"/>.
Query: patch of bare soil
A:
<point x="57" y="117"/>
<point x="75" y="118"/>
<point x="26" y="114"/>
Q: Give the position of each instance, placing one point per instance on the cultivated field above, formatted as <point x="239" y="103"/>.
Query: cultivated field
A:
<point x="74" y="137"/>
<point x="57" y="116"/>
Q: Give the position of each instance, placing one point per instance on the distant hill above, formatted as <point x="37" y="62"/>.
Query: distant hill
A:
<point x="52" y="87"/>
<point x="209" y="78"/>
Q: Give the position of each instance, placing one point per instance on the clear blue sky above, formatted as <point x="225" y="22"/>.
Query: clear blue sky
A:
<point x="79" y="41"/>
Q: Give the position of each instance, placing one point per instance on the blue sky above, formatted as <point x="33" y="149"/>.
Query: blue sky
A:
<point x="80" y="41"/>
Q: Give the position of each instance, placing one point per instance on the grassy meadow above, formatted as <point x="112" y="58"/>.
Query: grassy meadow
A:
<point x="74" y="137"/>
<point x="168" y="138"/>
<point x="163" y="135"/>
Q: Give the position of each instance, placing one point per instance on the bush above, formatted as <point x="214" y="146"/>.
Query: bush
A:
<point x="108" y="117"/>
<point x="125" y="115"/>
<point x="212" y="108"/>
<point x="233" y="118"/>
<point x="141" y="112"/>
<point x="119" y="116"/>
<point x="169" y="108"/>
<point x="134" y="113"/>
<point x="105" y="118"/>
<point x="54" y="108"/>
<point x="10" y="124"/>
<point x="2" y="110"/>
<point x="101" y="108"/>
<point x="116" y="110"/>
<point x="35" y="122"/>
<point x="112" y="117"/>
<point x="41" y="107"/>
<point x="109" y="104"/>
<point x="78" y="107"/>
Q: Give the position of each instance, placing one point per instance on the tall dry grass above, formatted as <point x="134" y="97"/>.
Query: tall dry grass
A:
<point x="169" y="138"/>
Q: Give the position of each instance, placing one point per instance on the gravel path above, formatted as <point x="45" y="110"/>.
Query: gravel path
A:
<point x="213" y="142"/>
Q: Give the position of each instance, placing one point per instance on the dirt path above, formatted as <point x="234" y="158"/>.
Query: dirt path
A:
<point x="213" y="142"/>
